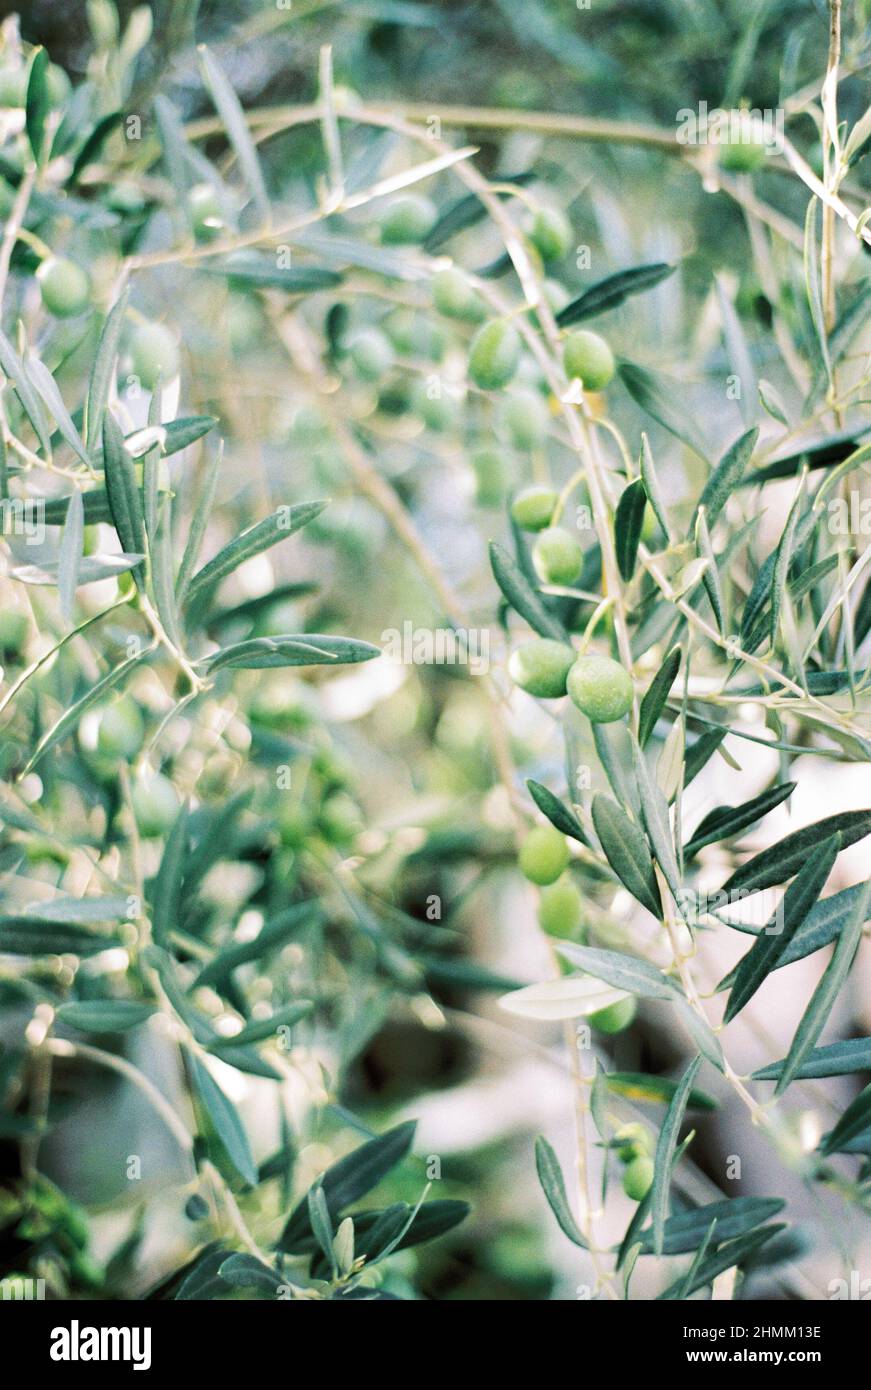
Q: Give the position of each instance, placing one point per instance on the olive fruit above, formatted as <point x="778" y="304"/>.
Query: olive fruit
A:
<point x="64" y="286"/>
<point x="524" y="417"/>
<point x="339" y="818"/>
<point x="551" y="234"/>
<point x="491" y="477"/>
<point x="120" y="732"/>
<point x="454" y="297"/>
<point x="494" y="355"/>
<point x="415" y="334"/>
<point x="153" y="354"/>
<point x="408" y="219"/>
<point x="544" y="855"/>
<point x="294" y="825"/>
<point x="155" y="804"/>
<point x="616" y="1017"/>
<point x="13" y="632"/>
<point x="638" y="1178"/>
<point x="371" y="354"/>
<point x="631" y="1140"/>
<point x="745" y="149"/>
<point x="560" y="909"/>
<point x="204" y="210"/>
<point x="533" y="507"/>
<point x="601" y="688"/>
<point x="557" y="556"/>
<point x="437" y="409"/>
<point x="541" y="667"/>
<point x="587" y="357"/>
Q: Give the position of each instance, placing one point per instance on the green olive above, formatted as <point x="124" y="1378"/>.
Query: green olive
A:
<point x="525" y="418"/>
<point x="551" y="234"/>
<point x="14" y="628"/>
<point x="204" y="210"/>
<point x="631" y="1140"/>
<point x="492" y="476"/>
<point x="541" y="667"/>
<point x="416" y="334"/>
<point x="638" y="1178"/>
<point x="153" y="354"/>
<point x="588" y="358"/>
<point x="745" y="150"/>
<point x="560" y="909"/>
<point x="339" y="819"/>
<point x="435" y="407"/>
<point x="494" y="355"/>
<point x="155" y="804"/>
<point x="371" y="354"/>
<point x="544" y="855"/>
<point x="533" y="507"/>
<point x="64" y="286"/>
<point x="294" y="824"/>
<point x="616" y="1017"/>
<point x="454" y="297"/>
<point x="120" y="732"/>
<point x="408" y="219"/>
<point x="557" y="556"/>
<point x="601" y="688"/>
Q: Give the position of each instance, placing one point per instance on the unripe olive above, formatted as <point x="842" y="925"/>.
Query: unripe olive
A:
<point x="494" y="355"/>
<point x="638" y="1178"/>
<point x="205" y="211"/>
<point x="408" y="219"/>
<point x="745" y="150"/>
<point x="436" y="408"/>
<point x="544" y="855"/>
<point x="587" y="357"/>
<point x="491" y="477"/>
<point x="339" y="818"/>
<point x="371" y="354"/>
<point x="551" y="234"/>
<point x="560" y="909"/>
<point x="155" y="804"/>
<point x="631" y="1140"/>
<point x="294" y="824"/>
<point x="153" y="354"/>
<point x="533" y="507"/>
<point x="601" y="688"/>
<point x="64" y="286"/>
<point x="121" y="732"/>
<point x="13" y="632"/>
<point x="616" y="1017"/>
<point x="454" y="297"/>
<point x="524" y="417"/>
<point x="541" y="667"/>
<point x="416" y="334"/>
<point x="557" y="556"/>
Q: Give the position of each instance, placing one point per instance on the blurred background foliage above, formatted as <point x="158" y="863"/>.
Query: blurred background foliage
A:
<point x="396" y="802"/>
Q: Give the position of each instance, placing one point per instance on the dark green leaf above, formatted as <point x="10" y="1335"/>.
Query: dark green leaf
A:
<point x="553" y="1185"/>
<point x="69" y="720"/>
<point x="613" y="290"/>
<point x="836" y="1059"/>
<point x="278" y="527"/>
<point x="466" y="212"/>
<point x="26" y="935"/>
<point x="37" y="103"/>
<point x="855" y="1120"/>
<point x="727" y="475"/>
<point x="103" y="373"/>
<point x="224" y="1118"/>
<point x="92" y="146"/>
<point x="657" y="1089"/>
<point x="621" y="971"/>
<point x="735" y="1217"/>
<point x="626" y="850"/>
<point x="727" y="1256"/>
<point x="628" y="521"/>
<point x="104" y="1015"/>
<point x="522" y="597"/>
<point x="660" y="398"/>
<point x="781" y="861"/>
<point x="166" y="892"/>
<point x="728" y="821"/>
<point x="665" y="1152"/>
<point x="125" y="499"/>
<point x="557" y="813"/>
<point x="656" y="695"/>
<point x="302" y="649"/>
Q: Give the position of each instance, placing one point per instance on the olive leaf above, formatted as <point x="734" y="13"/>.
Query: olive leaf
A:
<point x="613" y="290"/>
<point x="557" y="813"/>
<point x="553" y="1185"/>
<point x="665" y="1151"/>
<point x="521" y="595"/>
<point x="657" y="694"/>
<point x="626" y="850"/>
<point x="628" y="521"/>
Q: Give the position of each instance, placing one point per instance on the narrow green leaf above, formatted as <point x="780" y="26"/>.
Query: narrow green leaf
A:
<point x="48" y="390"/>
<point x="736" y="1216"/>
<point x="813" y="285"/>
<point x="285" y="926"/>
<point x="779" y="862"/>
<point x="711" y="575"/>
<point x="659" y="397"/>
<point x="13" y="367"/>
<point x="224" y="1118"/>
<point x="319" y="1220"/>
<point x="553" y="1185"/>
<point x="70" y="718"/>
<point x="824" y="996"/>
<point x="738" y="354"/>
<point x="727" y="475"/>
<point x="655" y="1089"/>
<point x="28" y="935"/>
<point x="199" y="521"/>
<point x="244" y="1271"/>
<point x="854" y="1122"/>
<point x="349" y="1180"/>
<point x="125" y="501"/>
<point x="70" y="556"/>
<point x="104" y="1015"/>
<point x="92" y="146"/>
<point x="163" y="580"/>
<point x="37" y="103"/>
<point x="835" y="1059"/>
<point x="466" y="212"/>
<point x="656" y="695"/>
<point x="103" y="374"/>
<point x="626" y="850"/>
<point x="727" y="821"/>
<point x="654" y="813"/>
<point x="281" y="524"/>
<point x="301" y="649"/>
<point x="733" y="1253"/>
<point x="266" y="1027"/>
<point x="618" y="970"/>
<point x="688" y="1282"/>
<point x="522" y="597"/>
<point x="628" y="521"/>
<point x="775" y="936"/>
<point x="230" y="111"/>
<point x="166" y="892"/>
<point x="259" y="272"/>
<point x="665" y="1151"/>
<point x="782" y="562"/>
<point x="651" y="485"/>
<point x="699" y="753"/>
<point x="557" y="813"/>
<point x="613" y="290"/>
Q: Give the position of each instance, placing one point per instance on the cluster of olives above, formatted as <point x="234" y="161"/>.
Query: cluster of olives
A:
<point x="634" y="1147"/>
<point x="599" y="686"/>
